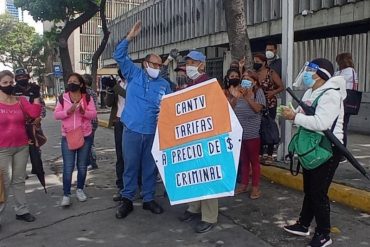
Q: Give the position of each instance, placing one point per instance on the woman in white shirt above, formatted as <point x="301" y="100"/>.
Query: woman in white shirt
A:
<point x="346" y="69"/>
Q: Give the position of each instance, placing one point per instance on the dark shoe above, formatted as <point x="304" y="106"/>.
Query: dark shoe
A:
<point x="26" y="217"/>
<point x="124" y="209"/>
<point x="153" y="207"/>
<point x="203" y="227"/>
<point x="117" y="197"/>
<point x="320" y="240"/>
<point x="297" y="229"/>
<point x="187" y="216"/>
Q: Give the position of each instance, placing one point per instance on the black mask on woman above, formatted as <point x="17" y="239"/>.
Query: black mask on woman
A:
<point x="257" y="66"/>
<point x="22" y="83"/>
<point x="73" y="87"/>
<point x="7" y="90"/>
<point x="234" y="82"/>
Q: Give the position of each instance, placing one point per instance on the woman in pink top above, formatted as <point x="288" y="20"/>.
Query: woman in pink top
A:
<point x="14" y="143"/>
<point x="76" y="110"/>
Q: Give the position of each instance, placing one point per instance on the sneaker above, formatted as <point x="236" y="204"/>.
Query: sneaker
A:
<point x="124" y="209"/>
<point x="81" y="195"/>
<point x="320" y="240"/>
<point x="66" y="201"/>
<point x="297" y="229"/>
<point x="25" y="217"/>
<point x="187" y="216"/>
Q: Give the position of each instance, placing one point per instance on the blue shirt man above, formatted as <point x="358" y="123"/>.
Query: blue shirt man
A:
<point x="145" y="90"/>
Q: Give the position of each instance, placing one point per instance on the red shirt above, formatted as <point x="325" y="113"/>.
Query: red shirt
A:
<point x="12" y="123"/>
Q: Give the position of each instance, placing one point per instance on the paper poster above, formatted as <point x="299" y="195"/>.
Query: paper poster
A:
<point x="197" y="144"/>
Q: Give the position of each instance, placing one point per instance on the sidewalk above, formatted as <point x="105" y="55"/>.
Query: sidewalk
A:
<point x="349" y="188"/>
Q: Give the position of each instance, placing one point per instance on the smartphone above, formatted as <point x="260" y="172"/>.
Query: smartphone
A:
<point x="246" y="84"/>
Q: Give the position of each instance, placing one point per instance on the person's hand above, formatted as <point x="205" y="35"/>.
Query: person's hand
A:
<point x="270" y="94"/>
<point x="247" y="93"/>
<point x="73" y="108"/>
<point x="135" y="30"/>
<point x="242" y="63"/>
<point x="288" y="113"/>
<point x="235" y="91"/>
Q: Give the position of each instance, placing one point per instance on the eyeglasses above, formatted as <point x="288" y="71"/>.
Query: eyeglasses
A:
<point x="155" y="65"/>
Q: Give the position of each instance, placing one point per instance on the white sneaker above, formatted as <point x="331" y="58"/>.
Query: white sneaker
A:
<point x="81" y="195"/>
<point x="66" y="201"/>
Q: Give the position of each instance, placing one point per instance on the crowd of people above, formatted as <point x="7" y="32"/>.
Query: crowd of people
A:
<point x="135" y="102"/>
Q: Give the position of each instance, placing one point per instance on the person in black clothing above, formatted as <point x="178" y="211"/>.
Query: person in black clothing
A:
<point x="273" y="59"/>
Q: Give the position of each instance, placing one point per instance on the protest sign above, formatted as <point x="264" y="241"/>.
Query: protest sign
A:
<point x="197" y="144"/>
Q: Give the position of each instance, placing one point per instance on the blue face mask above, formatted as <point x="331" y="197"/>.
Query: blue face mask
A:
<point x="246" y="84"/>
<point x="308" y="81"/>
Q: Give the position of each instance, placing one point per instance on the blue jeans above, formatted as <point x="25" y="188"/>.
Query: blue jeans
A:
<point x="69" y="160"/>
<point x="137" y="156"/>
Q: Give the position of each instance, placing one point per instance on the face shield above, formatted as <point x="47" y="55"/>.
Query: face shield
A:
<point x="307" y="67"/>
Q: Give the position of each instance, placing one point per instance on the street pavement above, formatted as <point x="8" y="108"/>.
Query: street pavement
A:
<point x="242" y="221"/>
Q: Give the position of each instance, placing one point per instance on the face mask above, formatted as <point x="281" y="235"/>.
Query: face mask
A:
<point x="192" y="72"/>
<point x="257" y="66"/>
<point x="308" y="81"/>
<point x="246" y="84"/>
<point x="7" y="90"/>
<point x="73" y="87"/>
<point x="23" y="82"/>
<point x="153" y="73"/>
<point x="270" y="55"/>
<point x="234" y="82"/>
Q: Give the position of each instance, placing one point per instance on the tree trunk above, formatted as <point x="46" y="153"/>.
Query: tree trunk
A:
<point x="67" y="30"/>
<point x="236" y="26"/>
<point x="103" y="43"/>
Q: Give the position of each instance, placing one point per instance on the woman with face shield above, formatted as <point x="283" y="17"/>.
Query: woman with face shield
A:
<point x="325" y="94"/>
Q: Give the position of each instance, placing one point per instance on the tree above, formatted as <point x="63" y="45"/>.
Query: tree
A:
<point x="71" y="13"/>
<point x="20" y="45"/>
<point x="236" y="26"/>
<point x="103" y="43"/>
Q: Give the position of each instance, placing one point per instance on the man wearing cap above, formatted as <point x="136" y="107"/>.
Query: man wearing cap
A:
<point x="145" y="89"/>
<point x="195" y="70"/>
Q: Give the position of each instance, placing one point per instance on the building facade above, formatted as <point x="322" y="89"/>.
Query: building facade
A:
<point x="85" y="40"/>
<point x="322" y="28"/>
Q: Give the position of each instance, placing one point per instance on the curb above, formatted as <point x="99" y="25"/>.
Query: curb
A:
<point x="349" y="196"/>
<point x="101" y="123"/>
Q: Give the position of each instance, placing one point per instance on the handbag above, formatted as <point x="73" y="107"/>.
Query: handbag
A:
<point x="2" y="188"/>
<point x="75" y="137"/>
<point x="352" y="102"/>
<point x="34" y="131"/>
<point x="269" y="130"/>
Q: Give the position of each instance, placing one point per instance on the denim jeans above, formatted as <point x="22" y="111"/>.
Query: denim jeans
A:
<point x="69" y="161"/>
<point x="118" y="132"/>
<point x="137" y="156"/>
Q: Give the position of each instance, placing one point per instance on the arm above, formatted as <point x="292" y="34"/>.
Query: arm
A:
<point x="327" y="110"/>
<point x="32" y="110"/>
<point x="278" y="83"/>
<point x="256" y="103"/>
<point x="60" y="113"/>
<point x="110" y="98"/>
<point x="117" y="89"/>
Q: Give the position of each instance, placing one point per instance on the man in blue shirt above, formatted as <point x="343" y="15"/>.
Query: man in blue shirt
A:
<point x="145" y="90"/>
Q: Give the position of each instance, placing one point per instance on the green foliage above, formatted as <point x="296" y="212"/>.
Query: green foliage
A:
<point x="54" y="10"/>
<point x="20" y="45"/>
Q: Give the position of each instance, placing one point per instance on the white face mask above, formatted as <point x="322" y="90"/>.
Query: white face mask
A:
<point x="192" y="72"/>
<point x="153" y="73"/>
<point x="270" y="55"/>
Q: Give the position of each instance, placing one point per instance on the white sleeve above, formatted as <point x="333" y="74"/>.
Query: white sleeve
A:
<point x="327" y="110"/>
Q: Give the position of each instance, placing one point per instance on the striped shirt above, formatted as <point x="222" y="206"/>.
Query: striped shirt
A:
<point x="250" y="120"/>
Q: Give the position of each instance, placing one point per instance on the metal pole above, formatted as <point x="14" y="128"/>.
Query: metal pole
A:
<point x="287" y="69"/>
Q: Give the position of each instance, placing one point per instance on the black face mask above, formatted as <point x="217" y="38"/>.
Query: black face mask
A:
<point x="23" y="82"/>
<point x="9" y="90"/>
<point x="73" y="87"/>
<point x="257" y="66"/>
<point x="234" y="82"/>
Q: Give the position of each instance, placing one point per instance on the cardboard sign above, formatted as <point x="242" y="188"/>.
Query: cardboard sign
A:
<point x="197" y="144"/>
